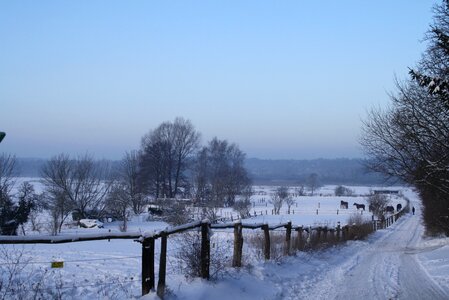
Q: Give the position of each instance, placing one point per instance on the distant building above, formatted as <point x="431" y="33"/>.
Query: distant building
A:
<point x="386" y="192"/>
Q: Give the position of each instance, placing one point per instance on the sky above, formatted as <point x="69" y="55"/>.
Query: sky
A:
<point x="282" y="79"/>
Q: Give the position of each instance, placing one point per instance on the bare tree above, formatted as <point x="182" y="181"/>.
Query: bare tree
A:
<point x="378" y="204"/>
<point x="79" y="185"/>
<point x="300" y="190"/>
<point x="313" y="182"/>
<point x="118" y="204"/>
<point x="220" y="175"/>
<point x="410" y="139"/>
<point x="278" y="198"/>
<point x="126" y="193"/>
<point x="289" y="201"/>
<point x="243" y="205"/>
<point x="165" y="157"/>
<point x="277" y="203"/>
<point x="129" y="177"/>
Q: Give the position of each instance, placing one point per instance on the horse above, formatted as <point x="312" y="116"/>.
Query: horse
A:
<point x="398" y="207"/>
<point x="362" y="206"/>
<point x="390" y="209"/>
<point x="343" y="205"/>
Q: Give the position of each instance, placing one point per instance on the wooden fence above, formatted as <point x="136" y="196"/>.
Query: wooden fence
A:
<point x="323" y="234"/>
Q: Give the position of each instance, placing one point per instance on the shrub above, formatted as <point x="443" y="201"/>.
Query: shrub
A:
<point x="277" y="244"/>
<point x="190" y="256"/>
<point x="242" y="207"/>
<point x="357" y="228"/>
<point x="343" y="191"/>
<point x="378" y="204"/>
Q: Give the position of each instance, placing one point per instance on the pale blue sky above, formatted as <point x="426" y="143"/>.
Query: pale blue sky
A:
<point x="283" y="79"/>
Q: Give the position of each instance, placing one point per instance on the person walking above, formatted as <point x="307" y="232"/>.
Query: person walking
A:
<point x="413" y="210"/>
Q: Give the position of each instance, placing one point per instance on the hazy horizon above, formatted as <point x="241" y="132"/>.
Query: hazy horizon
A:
<point x="283" y="80"/>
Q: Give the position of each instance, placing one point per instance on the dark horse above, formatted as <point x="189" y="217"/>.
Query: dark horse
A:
<point x="360" y="206"/>
<point x="344" y="204"/>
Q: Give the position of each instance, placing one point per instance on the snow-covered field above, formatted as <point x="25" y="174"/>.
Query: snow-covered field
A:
<point x="111" y="269"/>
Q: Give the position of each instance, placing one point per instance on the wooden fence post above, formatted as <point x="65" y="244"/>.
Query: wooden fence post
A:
<point x="288" y="238"/>
<point x="338" y="231"/>
<point x="267" y="246"/>
<point x="299" y="242"/>
<point x="332" y="235"/>
<point x="205" y="250"/>
<point x="238" y="245"/>
<point x="162" y="266"/>
<point x="147" y="265"/>
<point x="349" y="232"/>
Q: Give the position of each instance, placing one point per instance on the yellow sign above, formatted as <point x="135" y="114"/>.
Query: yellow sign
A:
<point x="57" y="264"/>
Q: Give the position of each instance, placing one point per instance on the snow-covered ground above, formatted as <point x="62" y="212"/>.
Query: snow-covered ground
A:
<point x="396" y="263"/>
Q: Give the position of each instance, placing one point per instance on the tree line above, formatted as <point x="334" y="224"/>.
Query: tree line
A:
<point x="170" y="164"/>
<point x="410" y="139"/>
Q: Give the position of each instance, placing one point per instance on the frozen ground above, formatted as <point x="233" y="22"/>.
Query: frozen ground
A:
<point x="396" y="263"/>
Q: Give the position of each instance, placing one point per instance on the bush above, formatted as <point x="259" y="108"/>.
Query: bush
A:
<point x="277" y="244"/>
<point x="343" y="191"/>
<point x="176" y="214"/>
<point x="190" y="256"/>
<point x="357" y="228"/>
<point x="242" y="207"/>
<point x="378" y="204"/>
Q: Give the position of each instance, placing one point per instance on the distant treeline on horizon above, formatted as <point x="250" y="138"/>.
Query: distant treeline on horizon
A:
<point x="271" y="171"/>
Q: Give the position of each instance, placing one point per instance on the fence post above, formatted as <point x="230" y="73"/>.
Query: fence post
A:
<point x="266" y="232"/>
<point x="299" y="243"/>
<point x="332" y="235"/>
<point x="238" y="245"/>
<point x="325" y="234"/>
<point x="205" y="250"/>
<point x="318" y="230"/>
<point x="288" y="238"/>
<point x="345" y="233"/>
<point x="147" y="265"/>
<point x="338" y="231"/>
<point x="162" y="266"/>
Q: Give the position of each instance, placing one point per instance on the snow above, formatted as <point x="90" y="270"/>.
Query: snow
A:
<point x="395" y="263"/>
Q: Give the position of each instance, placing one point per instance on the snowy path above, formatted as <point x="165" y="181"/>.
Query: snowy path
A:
<point x="387" y="269"/>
